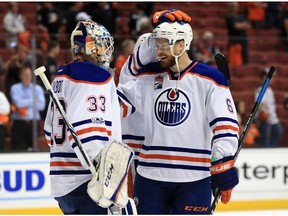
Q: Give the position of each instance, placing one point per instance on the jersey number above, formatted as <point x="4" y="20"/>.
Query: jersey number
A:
<point x="96" y="103"/>
<point x="59" y="138"/>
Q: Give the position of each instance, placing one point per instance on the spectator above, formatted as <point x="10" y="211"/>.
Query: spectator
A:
<point x="104" y="14"/>
<point x="23" y="109"/>
<point x="51" y="70"/>
<point x="70" y="18"/>
<point x="144" y="26"/>
<point x="49" y="22"/>
<point x="126" y="49"/>
<point x="53" y="52"/>
<point x="238" y="42"/>
<point x="273" y="15"/>
<point x="14" y="24"/>
<point x="15" y="63"/>
<point x="270" y="127"/>
<point x="134" y="18"/>
<point x="256" y="14"/>
<point x="4" y="118"/>
<point x="207" y="48"/>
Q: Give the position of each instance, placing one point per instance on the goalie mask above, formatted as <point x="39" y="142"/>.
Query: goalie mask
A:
<point x="94" y="40"/>
<point x="174" y="32"/>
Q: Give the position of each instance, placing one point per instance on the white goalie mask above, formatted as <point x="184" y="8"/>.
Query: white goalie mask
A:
<point x="174" y="31"/>
<point x="94" y="40"/>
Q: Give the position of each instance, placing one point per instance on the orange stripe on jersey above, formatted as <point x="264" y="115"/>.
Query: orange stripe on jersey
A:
<point x="171" y="157"/>
<point x="134" y="145"/>
<point x="207" y="78"/>
<point x="226" y="127"/>
<point x="85" y="82"/>
<point x="125" y="110"/>
<point x="48" y="141"/>
<point x="91" y="129"/>
<point x="60" y="163"/>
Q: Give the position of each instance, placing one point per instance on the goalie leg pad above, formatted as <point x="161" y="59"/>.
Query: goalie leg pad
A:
<point x="110" y="186"/>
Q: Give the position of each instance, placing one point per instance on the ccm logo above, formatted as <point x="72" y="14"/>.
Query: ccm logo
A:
<point x="196" y="208"/>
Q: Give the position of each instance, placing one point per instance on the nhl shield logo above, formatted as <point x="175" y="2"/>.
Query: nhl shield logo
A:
<point x="158" y="82"/>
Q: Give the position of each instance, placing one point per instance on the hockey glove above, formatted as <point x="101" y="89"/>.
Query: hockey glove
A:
<point x="169" y="16"/>
<point x="224" y="177"/>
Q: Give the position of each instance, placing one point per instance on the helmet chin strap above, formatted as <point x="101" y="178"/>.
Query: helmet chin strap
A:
<point x="177" y="64"/>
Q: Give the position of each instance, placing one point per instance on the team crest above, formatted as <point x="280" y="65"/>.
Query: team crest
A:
<point x="158" y="83"/>
<point x="172" y="107"/>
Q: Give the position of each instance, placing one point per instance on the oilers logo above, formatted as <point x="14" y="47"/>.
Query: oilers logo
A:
<point x="172" y="107"/>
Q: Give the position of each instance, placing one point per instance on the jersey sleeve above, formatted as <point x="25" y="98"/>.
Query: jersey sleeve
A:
<point x="131" y="97"/>
<point x="223" y="122"/>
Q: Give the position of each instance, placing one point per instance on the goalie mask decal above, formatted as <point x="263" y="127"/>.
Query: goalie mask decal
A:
<point x="172" y="107"/>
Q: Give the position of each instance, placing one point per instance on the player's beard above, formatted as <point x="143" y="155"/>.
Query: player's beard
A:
<point x="168" y="62"/>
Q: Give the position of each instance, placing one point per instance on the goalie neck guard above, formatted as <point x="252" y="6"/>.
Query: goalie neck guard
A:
<point x="174" y="32"/>
<point x="94" y="40"/>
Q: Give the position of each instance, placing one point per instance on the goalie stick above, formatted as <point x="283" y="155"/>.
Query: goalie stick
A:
<point x="41" y="73"/>
<point x="246" y="129"/>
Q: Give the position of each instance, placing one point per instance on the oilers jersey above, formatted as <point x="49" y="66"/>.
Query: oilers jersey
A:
<point x="88" y="95"/>
<point x="186" y="118"/>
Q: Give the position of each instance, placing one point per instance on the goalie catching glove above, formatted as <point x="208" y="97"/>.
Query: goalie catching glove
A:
<point x="109" y="186"/>
<point x="224" y="177"/>
<point x="169" y="16"/>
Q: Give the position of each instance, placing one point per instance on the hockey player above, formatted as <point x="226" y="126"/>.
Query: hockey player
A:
<point x="189" y="117"/>
<point x="87" y="93"/>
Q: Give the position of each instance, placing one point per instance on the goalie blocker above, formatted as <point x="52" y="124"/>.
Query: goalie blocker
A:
<point x="109" y="185"/>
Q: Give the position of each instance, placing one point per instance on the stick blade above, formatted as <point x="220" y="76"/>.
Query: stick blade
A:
<point x="222" y="65"/>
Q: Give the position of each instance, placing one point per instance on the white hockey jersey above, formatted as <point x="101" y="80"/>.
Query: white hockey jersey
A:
<point x="88" y="95"/>
<point x="182" y="125"/>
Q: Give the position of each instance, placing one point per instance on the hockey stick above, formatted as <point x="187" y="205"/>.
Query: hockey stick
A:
<point x="41" y="73"/>
<point x="246" y="129"/>
<point x="222" y="66"/>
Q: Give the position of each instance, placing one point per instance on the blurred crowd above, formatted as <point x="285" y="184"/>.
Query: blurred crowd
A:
<point x="22" y="100"/>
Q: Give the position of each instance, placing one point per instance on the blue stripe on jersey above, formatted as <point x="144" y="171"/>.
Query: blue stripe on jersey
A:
<point x="133" y="137"/>
<point x="126" y="99"/>
<point x="177" y="149"/>
<point x="138" y="59"/>
<point x="88" y="139"/>
<point x="130" y="65"/>
<point x="224" y="135"/>
<point x="222" y="119"/>
<point x="87" y="121"/>
<point x="84" y="71"/>
<point x="63" y="154"/>
<point x="47" y="133"/>
<point x="173" y="166"/>
<point x="210" y="72"/>
<point x="70" y="172"/>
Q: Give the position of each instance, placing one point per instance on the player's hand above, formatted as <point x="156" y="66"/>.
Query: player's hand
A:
<point x="169" y="16"/>
<point x="224" y="177"/>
